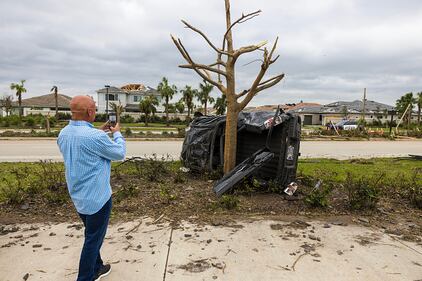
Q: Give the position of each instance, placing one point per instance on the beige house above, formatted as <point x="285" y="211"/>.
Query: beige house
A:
<point x="45" y="105"/>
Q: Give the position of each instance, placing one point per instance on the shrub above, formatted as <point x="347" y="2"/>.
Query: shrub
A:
<point x="228" y="202"/>
<point x="166" y="194"/>
<point x="179" y="177"/>
<point x="127" y="119"/>
<point x="128" y="132"/>
<point x="363" y="192"/>
<point x="318" y="196"/>
<point x="64" y="116"/>
<point x="127" y="191"/>
<point x="152" y="169"/>
<point x="101" y="117"/>
<point x="181" y="132"/>
<point x="30" y="121"/>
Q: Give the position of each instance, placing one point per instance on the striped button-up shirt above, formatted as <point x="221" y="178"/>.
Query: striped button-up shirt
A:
<point x="87" y="154"/>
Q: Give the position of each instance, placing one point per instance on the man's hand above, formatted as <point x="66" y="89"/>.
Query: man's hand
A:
<point x="115" y="128"/>
<point x="105" y="127"/>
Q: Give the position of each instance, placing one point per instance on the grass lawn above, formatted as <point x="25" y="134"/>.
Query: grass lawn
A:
<point x="393" y="169"/>
<point x="151" y="126"/>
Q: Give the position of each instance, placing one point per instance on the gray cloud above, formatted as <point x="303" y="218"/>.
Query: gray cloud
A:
<point x="329" y="50"/>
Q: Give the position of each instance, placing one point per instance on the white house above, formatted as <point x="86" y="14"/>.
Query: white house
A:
<point x="129" y="96"/>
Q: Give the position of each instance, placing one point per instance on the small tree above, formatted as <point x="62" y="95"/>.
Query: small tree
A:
<point x="19" y="88"/>
<point x="220" y="105"/>
<point x="148" y="106"/>
<point x="203" y="95"/>
<point x="56" y="99"/>
<point x="6" y="103"/>
<point x="187" y="96"/>
<point x="344" y="112"/>
<point x="167" y="92"/>
<point x="224" y="67"/>
<point x="118" y="109"/>
<point x="180" y="106"/>
<point x="403" y="103"/>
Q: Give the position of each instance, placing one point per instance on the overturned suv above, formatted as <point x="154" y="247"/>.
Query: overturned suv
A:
<point x="267" y="148"/>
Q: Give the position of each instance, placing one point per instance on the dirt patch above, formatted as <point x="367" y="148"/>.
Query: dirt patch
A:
<point x="175" y="197"/>
<point x="196" y="266"/>
<point x="297" y="224"/>
<point x="366" y="240"/>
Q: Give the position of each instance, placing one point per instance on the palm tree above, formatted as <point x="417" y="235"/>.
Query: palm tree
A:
<point x="220" y="105"/>
<point x="148" y="106"/>
<point x="180" y="106"/>
<point x="405" y="101"/>
<point x="6" y="102"/>
<point x="187" y="98"/>
<point x="19" y="88"/>
<point x="118" y="109"/>
<point x="56" y="99"/>
<point x="419" y="104"/>
<point x="167" y="91"/>
<point x="203" y="95"/>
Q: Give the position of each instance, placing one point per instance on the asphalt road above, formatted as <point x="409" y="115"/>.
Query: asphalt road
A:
<point x="34" y="150"/>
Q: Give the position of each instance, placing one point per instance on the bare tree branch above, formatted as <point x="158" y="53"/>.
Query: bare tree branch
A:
<point x="218" y="63"/>
<point x="244" y="92"/>
<point x="253" y="62"/>
<point x="269" y="83"/>
<point x="264" y="85"/>
<point x="274" y="60"/>
<point x="242" y="19"/>
<point x="273" y="49"/>
<point x="249" y="49"/>
<point x="257" y="83"/>
<point x="206" y="39"/>
<point x="203" y="67"/>
<point x="204" y="75"/>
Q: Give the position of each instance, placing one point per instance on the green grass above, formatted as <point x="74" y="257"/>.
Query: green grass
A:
<point x="151" y="126"/>
<point x="337" y="170"/>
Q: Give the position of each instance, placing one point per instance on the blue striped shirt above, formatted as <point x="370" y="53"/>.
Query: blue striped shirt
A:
<point x="87" y="154"/>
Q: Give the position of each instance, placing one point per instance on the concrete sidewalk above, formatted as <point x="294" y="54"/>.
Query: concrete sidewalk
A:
<point x="260" y="250"/>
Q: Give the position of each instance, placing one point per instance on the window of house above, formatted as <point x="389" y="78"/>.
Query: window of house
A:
<point x="112" y="97"/>
<point x="136" y="98"/>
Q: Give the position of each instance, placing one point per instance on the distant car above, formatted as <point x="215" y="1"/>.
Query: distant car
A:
<point x="350" y="125"/>
<point x="344" y="125"/>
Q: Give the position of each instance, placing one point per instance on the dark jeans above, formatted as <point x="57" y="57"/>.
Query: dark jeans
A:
<point x="95" y="230"/>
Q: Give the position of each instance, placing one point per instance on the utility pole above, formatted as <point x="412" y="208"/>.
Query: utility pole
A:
<point x="364" y="106"/>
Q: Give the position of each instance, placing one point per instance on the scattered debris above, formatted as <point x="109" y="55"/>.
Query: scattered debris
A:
<point x="196" y="266"/>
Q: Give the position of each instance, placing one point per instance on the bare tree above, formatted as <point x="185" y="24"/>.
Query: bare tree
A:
<point x="6" y="103"/>
<point x="224" y="67"/>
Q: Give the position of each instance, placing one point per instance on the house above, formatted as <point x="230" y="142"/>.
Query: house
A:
<point x="129" y="96"/>
<point x="336" y="111"/>
<point x="45" y="105"/>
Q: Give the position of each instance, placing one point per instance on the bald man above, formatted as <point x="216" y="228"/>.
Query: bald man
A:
<point x="87" y="154"/>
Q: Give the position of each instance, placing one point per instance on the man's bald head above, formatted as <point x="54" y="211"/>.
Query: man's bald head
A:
<point x="83" y="108"/>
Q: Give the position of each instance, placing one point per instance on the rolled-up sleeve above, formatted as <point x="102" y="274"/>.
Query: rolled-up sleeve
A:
<point x="104" y="147"/>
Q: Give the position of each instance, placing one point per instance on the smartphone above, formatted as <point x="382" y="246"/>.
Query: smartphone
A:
<point x="112" y="119"/>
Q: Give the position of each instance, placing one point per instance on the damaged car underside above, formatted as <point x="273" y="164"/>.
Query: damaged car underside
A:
<point x="267" y="147"/>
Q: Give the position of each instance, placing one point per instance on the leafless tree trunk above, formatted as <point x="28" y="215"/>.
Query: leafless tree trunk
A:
<point x="224" y="66"/>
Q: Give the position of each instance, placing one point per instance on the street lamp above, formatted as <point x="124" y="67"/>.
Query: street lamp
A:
<point x="107" y="86"/>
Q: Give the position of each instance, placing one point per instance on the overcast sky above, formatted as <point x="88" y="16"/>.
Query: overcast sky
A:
<point x="329" y="49"/>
